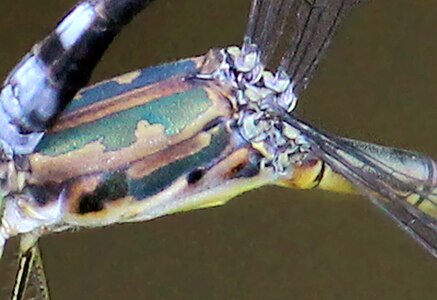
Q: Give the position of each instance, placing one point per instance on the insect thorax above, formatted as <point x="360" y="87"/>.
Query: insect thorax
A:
<point x="258" y="98"/>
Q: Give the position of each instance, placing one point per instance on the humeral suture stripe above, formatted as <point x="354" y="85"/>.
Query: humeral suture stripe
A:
<point x="116" y="131"/>
<point x="113" y="88"/>
<point x="119" y="184"/>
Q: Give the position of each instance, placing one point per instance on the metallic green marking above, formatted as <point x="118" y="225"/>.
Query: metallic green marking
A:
<point x="111" y="88"/>
<point x="160" y="179"/>
<point x="118" y="130"/>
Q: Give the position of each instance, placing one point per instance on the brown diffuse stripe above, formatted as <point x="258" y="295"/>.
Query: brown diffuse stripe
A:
<point x="94" y="158"/>
<point x="227" y="168"/>
<point x="220" y="173"/>
<point x="122" y="102"/>
<point x="144" y="167"/>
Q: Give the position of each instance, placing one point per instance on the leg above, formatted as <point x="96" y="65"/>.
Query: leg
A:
<point x="39" y="277"/>
<point x="30" y="263"/>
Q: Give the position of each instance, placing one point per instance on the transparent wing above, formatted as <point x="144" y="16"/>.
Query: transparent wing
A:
<point x="296" y="31"/>
<point x="402" y="183"/>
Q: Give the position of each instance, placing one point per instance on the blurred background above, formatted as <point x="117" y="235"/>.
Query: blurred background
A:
<point x="377" y="84"/>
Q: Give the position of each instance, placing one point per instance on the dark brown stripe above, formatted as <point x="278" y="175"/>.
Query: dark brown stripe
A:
<point x="318" y="179"/>
<point x="153" y="162"/>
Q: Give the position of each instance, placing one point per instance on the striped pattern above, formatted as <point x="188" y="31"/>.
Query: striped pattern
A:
<point x="51" y="74"/>
<point x="108" y="134"/>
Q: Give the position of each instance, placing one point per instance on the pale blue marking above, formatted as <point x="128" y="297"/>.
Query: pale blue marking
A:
<point x="75" y="24"/>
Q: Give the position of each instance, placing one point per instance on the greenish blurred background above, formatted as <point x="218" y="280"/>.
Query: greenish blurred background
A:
<point x="376" y="84"/>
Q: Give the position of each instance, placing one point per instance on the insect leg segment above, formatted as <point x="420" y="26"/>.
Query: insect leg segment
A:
<point x="30" y="266"/>
<point x="25" y="262"/>
<point x="50" y="75"/>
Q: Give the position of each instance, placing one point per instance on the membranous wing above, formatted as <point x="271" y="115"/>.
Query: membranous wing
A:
<point x="296" y="33"/>
<point x="402" y="183"/>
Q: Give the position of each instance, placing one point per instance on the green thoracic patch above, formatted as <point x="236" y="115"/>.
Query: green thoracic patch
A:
<point x="117" y="130"/>
<point x="111" y="88"/>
